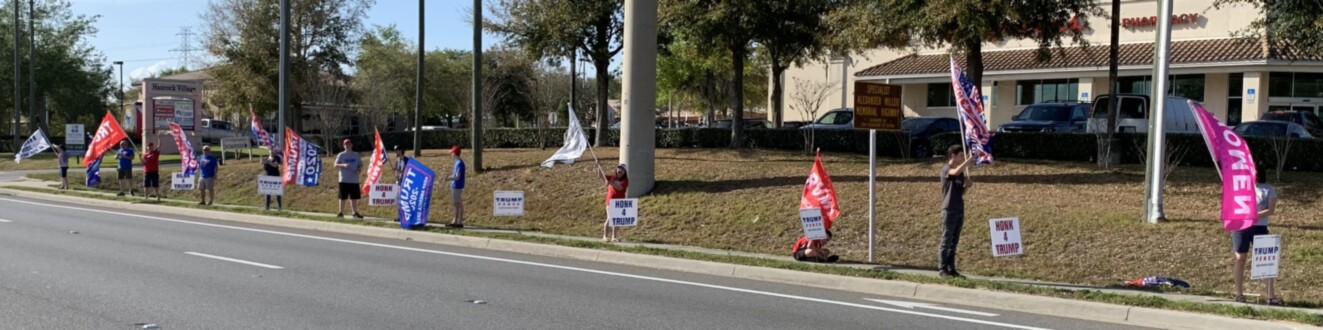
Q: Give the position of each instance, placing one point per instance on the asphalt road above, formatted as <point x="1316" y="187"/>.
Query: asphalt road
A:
<point x="75" y="267"/>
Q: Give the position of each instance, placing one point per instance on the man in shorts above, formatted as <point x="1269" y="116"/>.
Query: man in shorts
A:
<point x="151" y="164"/>
<point x="125" y="168"/>
<point x="348" y="164"/>
<point x="208" y="165"/>
<point x="457" y="189"/>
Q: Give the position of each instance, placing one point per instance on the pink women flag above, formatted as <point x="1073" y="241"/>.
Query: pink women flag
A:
<point x="1231" y="154"/>
<point x="969" y="106"/>
<point x="375" y="163"/>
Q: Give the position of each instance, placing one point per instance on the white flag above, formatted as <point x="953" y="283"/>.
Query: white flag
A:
<point x="33" y="146"/>
<point x="575" y="143"/>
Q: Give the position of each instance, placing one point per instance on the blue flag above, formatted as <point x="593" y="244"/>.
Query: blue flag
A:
<point x="94" y="173"/>
<point x="310" y="164"/>
<point x="415" y="195"/>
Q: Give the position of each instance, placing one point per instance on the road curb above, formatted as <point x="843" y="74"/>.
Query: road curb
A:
<point x="1093" y="311"/>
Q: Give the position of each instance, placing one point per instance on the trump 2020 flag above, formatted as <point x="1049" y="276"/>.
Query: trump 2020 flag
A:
<point x="1231" y="153"/>
<point x="820" y="194"/>
<point x="303" y="165"/>
<point x="969" y="105"/>
<point x="33" y="146"/>
<point x="376" y="163"/>
<point x="575" y="144"/>
<point x="415" y="195"/>
<point x="187" y="160"/>
<point x="94" y="173"/>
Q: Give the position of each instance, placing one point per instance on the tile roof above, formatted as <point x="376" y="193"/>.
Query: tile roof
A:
<point x="1190" y="51"/>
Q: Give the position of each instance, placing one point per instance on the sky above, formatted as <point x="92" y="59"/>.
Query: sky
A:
<point x="142" y="33"/>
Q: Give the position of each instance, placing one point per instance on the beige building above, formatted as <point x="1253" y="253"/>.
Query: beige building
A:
<point x="1235" y="79"/>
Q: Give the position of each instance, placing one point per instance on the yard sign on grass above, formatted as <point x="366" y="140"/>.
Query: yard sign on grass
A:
<point x="1006" y="237"/>
<point x="815" y="227"/>
<point x="1267" y="257"/>
<point x="508" y="203"/>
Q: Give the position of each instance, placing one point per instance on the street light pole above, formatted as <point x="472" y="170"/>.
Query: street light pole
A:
<point x="120" y="95"/>
<point x="1157" y="134"/>
<point x="32" y="67"/>
<point x="18" y="92"/>
<point x="418" y="94"/>
<point x="284" y="69"/>
<point x="475" y="120"/>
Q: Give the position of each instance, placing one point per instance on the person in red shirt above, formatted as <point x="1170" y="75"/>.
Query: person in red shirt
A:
<point x="615" y="188"/>
<point x="151" y="161"/>
<point x="815" y="251"/>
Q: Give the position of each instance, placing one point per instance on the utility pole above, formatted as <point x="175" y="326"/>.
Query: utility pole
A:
<point x="284" y="69"/>
<point x="574" y="80"/>
<point x="475" y="120"/>
<point x="18" y="91"/>
<point x="32" y="68"/>
<point x="418" y="94"/>
<point x="1157" y="135"/>
<point x="186" y="47"/>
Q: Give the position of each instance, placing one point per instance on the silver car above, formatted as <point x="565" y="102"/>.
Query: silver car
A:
<point x="837" y="119"/>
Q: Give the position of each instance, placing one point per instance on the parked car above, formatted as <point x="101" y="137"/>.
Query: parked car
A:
<point x="1308" y="120"/>
<point x="617" y="126"/>
<point x="1134" y="114"/>
<point x="1273" y="129"/>
<point x="748" y="124"/>
<point x="213" y="130"/>
<point x="921" y="131"/>
<point x="842" y="118"/>
<point x="1050" y="118"/>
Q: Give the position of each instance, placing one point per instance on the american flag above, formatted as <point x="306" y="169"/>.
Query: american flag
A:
<point x="260" y="134"/>
<point x="970" y="108"/>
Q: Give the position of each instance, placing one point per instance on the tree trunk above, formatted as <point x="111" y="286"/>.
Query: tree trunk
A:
<point x="708" y="96"/>
<point x="974" y="65"/>
<point x="603" y="91"/>
<point x="1105" y="147"/>
<point x="737" y="53"/>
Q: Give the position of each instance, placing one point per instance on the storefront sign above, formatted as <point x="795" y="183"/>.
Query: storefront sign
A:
<point x="877" y="106"/>
<point x="1139" y="22"/>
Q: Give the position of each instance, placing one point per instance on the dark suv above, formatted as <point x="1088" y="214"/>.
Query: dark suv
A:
<point x="921" y="131"/>
<point x="1309" y="120"/>
<point x="1050" y="118"/>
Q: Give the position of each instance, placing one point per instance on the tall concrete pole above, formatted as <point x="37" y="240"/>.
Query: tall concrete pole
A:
<point x="284" y="69"/>
<point x="639" y="118"/>
<point x="418" y="94"/>
<point x="18" y="91"/>
<point x="475" y="119"/>
<point x="1157" y="135"/>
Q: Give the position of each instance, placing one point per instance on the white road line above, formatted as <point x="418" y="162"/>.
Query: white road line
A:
<point x="246" y="262"/>
<point x="538" y="264"/>
<point x="3" y="220"/>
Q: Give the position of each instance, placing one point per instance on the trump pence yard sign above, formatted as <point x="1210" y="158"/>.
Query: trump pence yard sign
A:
<point x="1006" y="237"/>
<point x="508" y="203"/>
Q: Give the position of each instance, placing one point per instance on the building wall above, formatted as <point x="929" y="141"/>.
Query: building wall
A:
<point x="1212" y="23"/>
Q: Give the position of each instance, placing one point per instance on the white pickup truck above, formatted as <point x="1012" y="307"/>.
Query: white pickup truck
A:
<point x="213" y="131"/>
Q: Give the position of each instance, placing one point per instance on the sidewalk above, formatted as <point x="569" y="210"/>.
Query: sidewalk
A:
<point x="919" y="272"/>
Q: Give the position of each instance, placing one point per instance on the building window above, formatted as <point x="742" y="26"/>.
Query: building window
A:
<point x="1040" y="91"/>
<point x="1235" y="90"/>
<point x="941" y="95"/>
<point x="1189" y="86"/>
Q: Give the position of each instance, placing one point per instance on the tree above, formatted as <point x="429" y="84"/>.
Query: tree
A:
<point x="383" y="59"/>
<point x="1286" y="25"/>
<point x="810" y="97"/>
<point x="72" y="78"/>
<point x="730" y="25"/>
<point x="687" y="70"/>
<point x="963" y="26"/>
<point x="245" y="36"/>
<point x="558" y="28"/>
<point x="791" y="34"/>
<point x="506" y="88"/>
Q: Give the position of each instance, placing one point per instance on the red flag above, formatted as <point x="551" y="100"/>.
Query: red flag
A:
<point x="819" y="193"/>
<point x="107" y="135"/>
<point x="376" y="162"/>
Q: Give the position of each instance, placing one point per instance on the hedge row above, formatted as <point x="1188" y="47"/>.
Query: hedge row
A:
<point x="1045" y="146"/>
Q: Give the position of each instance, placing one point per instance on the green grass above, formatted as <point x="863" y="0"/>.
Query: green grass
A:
<point x="1245" y="311"/>
<point x="1081" y="225"/>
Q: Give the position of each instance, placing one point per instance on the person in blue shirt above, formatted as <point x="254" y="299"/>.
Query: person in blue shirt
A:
<point x="125" y="168"/>
<point x="208" y="165"/>
<point x="457" y="188"/>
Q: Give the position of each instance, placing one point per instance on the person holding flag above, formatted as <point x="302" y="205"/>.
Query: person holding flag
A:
<point x="616" y="186"/>
<point x="819" y="193"/>
<point x="62" y="158"/>
<point x="151" y="168"/>
<point x="125" y="168"/>
<point x="954" y="185"/>
<point x="208" y="165"/>
<point x="271" y="167"/>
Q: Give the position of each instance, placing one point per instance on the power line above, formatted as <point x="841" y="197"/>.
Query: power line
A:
<point x="186" y="48"/>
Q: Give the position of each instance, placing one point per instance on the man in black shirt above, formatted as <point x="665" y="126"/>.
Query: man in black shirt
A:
<point x="271" y="165"/>
<point x="954" y="185"/>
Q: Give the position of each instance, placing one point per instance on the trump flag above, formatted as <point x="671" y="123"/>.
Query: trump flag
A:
<point x="969" y="106"/>
<point x="303" y="164"/>
<point x="820" y="194"/>
<point x="107" y="135"/>
<point x="187" y="159"/>
<point x="415" y="195"/>
<point x="376" y="163"/>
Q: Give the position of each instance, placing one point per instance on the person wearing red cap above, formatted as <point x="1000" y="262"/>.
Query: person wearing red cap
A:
<point x="348" y="164"/>
<point x="457" y="189"/>
<point x="615" y="188"/>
